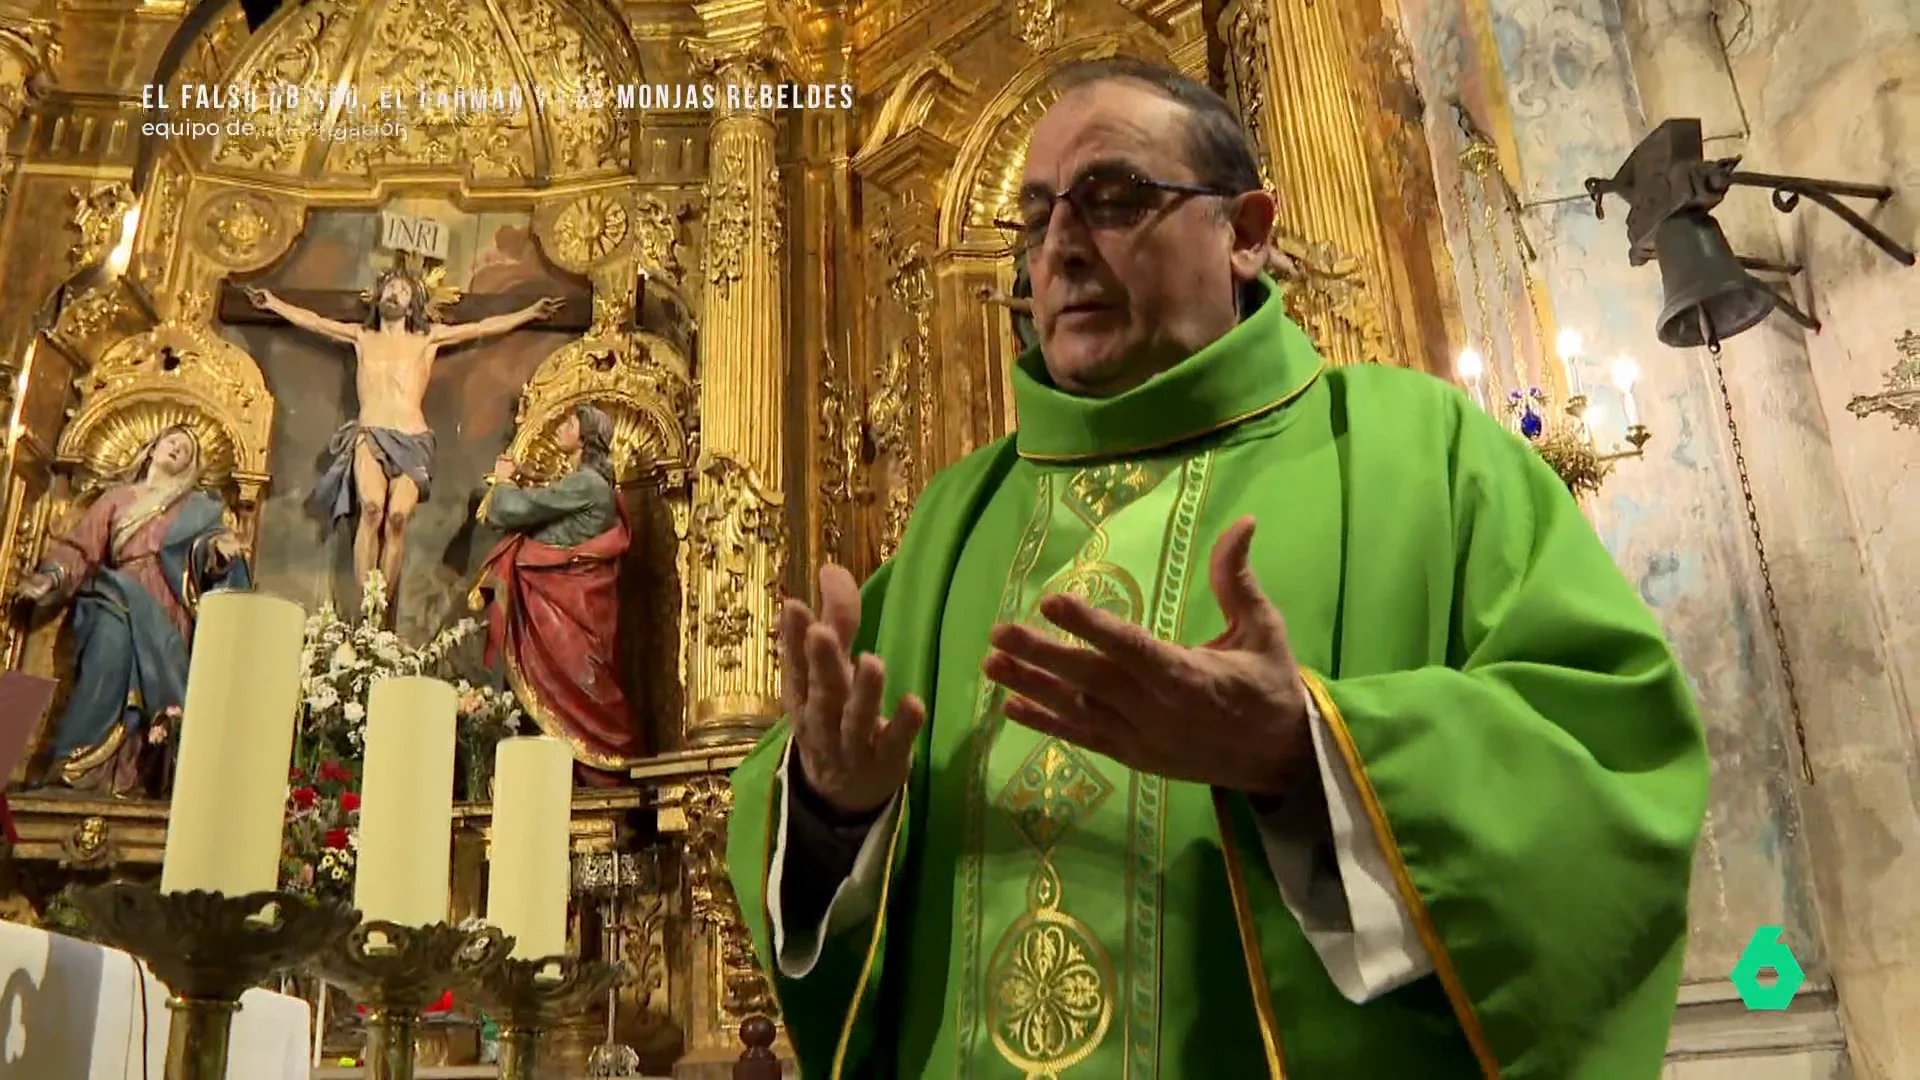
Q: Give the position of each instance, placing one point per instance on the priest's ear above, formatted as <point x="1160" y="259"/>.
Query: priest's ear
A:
<point x="1250" y="217"/>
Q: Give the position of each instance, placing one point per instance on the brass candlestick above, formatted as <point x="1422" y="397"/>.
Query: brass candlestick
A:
<point x="526" y="997"/>
<point x="209" y="948"/>
<point x="396" y="971"/>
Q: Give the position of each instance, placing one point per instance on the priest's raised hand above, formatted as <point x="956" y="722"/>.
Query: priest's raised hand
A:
<point x="849" y="757"/>
<point x="1231" y="713"/>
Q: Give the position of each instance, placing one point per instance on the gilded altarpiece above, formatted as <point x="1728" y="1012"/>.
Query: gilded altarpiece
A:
<point x="789" y="318"/>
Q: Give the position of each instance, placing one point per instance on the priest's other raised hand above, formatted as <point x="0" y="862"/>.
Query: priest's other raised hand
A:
<point x="852" y="759"/>
<point x="1231" y="713"/>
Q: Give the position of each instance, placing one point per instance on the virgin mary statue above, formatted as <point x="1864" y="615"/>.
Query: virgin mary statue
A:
<point x="134" y="567"/>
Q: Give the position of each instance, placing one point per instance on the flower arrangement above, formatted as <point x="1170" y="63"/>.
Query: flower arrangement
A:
<point x="343" y="658"/>
<point x="321" y="843"/>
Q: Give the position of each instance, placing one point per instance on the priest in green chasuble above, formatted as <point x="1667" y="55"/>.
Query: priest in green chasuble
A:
<point x="1237" y="717"/>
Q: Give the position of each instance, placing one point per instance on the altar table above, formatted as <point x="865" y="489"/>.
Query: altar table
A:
<point x="70" y="1010"/>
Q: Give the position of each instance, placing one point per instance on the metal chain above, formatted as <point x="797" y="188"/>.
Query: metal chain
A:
<point x="1766" y="573"/>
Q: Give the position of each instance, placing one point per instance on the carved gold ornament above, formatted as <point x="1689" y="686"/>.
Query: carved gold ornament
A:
<point x="729" y="222"/>
<point x="242" y="230"/>
<point x="660" y="234"/>
<point x="504" y="95"/>
<point x="591" y="228"/>
<point x="172" y="375"/>
<point x="97" y="217"/>
<point x="636" y="380"/>
<point x="743" y="988"/>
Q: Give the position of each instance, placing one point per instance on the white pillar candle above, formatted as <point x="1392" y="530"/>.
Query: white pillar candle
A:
<point x="406" y="802"/>
<point x="236" y="745"/>
<point x="529" y="869"/>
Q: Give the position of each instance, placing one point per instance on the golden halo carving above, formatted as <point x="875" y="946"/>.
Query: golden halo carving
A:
<point x="588" y="231"/>
<point x="241" y="230"/>
<point x="119" y="437"/>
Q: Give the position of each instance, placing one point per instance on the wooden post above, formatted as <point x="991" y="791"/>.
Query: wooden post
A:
<point x="757" y="1061"/>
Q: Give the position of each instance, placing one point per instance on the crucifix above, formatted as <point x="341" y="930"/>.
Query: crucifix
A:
<point x="380" y="464"/>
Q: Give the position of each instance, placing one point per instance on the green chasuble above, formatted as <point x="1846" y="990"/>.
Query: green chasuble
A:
<point x="1525" y="746"/>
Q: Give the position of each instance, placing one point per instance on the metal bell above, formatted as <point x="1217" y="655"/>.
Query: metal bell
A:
<point x="1709" y="296"/>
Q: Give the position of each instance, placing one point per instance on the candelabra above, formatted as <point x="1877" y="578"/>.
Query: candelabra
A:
<point x="209" y="948"/>
<point x="611" y="878"/>
<point x="396" y="971"/>
<point x="526" y="997"/>
<point x="1567" y="445"/>
<point x="1565" y="441"/>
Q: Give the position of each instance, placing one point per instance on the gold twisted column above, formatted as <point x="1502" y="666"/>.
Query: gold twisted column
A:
<point x="739" y="516"/>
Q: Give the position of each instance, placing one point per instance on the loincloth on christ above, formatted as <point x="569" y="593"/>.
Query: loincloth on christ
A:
<point x="400" y="453"/>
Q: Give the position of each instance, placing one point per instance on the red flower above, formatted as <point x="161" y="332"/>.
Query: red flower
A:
<point x="296" y="776"/>
<point x="336" y="838"/>
<point x="303" y="797"/>
<point x="349" y="802"/>
<point x="335" y="772"/>
<point x="445" y="1004"/>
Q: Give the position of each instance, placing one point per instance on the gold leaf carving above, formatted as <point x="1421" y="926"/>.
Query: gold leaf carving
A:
<point x="1037" y="22"/>
<point x="1246" y="40"/>
<point x="891" y="420"/>
<point x="636" y="379"/>
<point x="172" y="374"/>
<point x="1324" y="291"/>
<point x="729" y="221"/>
<point x="590" y="229"/>
<point x="97" y="217"/>
<point x="439" y="47"/>
<point x="739" y="541"/>
<point x="659" y="234"/>
<point x="586" y="132"/>
<point x="91" y="313"/>
<point x="303" y="50"/>
<point x="161" y="222"/>
<point x="743" y="986"/>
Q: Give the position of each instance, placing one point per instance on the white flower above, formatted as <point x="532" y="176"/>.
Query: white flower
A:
<point x="354" y="712"/>
<point x="344" y="657"/>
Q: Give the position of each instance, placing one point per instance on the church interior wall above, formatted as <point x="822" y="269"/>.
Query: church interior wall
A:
<point x="1822" y="90"/>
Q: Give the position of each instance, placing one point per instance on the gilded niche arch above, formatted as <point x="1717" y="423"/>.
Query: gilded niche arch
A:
<point x="174" y="374"/>
<point x="984" y="181"/>
<point x="636" y="378"/>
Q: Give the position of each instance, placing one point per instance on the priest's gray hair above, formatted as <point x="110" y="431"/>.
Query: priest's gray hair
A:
<point x="596" y="439"/>
<point x="1218" y="147"/>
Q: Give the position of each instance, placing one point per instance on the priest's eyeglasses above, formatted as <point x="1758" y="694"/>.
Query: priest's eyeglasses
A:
<point x="1104" y="199"/>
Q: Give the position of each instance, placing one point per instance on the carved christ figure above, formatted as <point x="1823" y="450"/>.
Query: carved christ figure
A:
<point x="380" y="464"/>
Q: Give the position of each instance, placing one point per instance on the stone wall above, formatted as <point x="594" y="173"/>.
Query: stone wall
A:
<point x="1829" y="89"/>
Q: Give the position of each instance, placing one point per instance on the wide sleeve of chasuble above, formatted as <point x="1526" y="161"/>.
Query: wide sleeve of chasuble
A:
<point x="1541" y="792"/>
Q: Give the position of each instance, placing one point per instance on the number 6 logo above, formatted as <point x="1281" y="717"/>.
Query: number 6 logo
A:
<point x="1765" y="952"/>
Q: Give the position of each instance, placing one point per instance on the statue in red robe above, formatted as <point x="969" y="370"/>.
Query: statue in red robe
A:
<point x="552" y="590"/>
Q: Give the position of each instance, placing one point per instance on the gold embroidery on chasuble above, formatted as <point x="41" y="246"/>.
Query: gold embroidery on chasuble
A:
<point x="1059" y="940"/>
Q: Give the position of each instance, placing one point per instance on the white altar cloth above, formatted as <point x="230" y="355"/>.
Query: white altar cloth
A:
<point x="70" y="1010"/>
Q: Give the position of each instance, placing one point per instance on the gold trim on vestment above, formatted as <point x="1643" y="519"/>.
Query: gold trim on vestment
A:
<point x="1403" y="878"/>
<point x="1250" y="942"/>
<point x="766" y="895"/>
<point x="1210" y="429"/>
<point x="873" y="944"/>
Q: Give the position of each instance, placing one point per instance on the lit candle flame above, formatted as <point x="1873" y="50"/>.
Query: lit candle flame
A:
<point x="1625" y="374"/>
<point x="1471" y="365"/>
<point x="1570" y="345"/>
